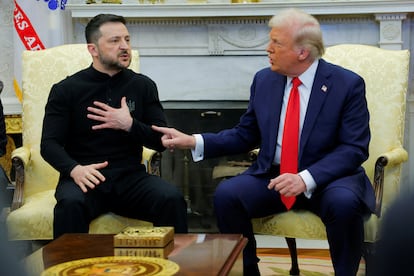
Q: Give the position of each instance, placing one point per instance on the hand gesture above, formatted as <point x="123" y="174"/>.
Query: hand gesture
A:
<point x="88" y="176"/>
<point x="114" y="118"/>
<point x="173" y="138"/>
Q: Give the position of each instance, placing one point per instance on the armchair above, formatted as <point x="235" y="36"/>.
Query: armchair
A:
<point x="386" y="75"/>
<point x="31" y="216"/>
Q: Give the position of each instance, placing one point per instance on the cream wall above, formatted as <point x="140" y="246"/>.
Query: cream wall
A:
<point x="181" y="45"/>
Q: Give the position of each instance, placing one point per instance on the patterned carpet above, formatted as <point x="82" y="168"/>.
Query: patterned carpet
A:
<point x="311" y="263"/>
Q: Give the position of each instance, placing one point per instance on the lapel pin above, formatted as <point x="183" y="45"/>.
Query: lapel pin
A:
<point x="324" y="88"/>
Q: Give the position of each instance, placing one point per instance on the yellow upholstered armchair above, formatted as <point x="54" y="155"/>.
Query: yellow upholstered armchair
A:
<point x="386" y="75"/>
<point x="31" y="216"/>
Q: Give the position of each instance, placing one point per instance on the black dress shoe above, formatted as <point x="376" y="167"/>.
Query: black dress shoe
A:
<point x="251" y="270"/>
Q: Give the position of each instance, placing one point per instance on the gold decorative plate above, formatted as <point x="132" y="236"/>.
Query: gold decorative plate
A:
<point x="114" y="265"/>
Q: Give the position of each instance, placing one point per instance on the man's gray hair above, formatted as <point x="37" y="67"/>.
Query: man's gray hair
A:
<point x="305" y="29"/>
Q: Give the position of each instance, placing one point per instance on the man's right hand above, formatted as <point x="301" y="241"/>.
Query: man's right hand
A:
<point x="88" y="176"/>
<point x="173" y="138"/>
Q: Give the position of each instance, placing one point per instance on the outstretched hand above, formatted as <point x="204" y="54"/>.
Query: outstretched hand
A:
<point x="172" y="138"/>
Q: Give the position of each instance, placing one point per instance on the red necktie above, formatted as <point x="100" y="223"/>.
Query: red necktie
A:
<point x="290" y="141"/>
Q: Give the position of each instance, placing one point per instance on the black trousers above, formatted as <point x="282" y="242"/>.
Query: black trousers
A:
<point x="6" y="193"/>
<point x="130" y="193"/>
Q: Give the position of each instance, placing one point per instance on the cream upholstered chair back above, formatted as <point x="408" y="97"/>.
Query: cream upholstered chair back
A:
<point x="41" y="69"/>
<point x="386" y="77"/>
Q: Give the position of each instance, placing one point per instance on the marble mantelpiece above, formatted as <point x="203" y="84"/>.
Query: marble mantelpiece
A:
<point x="210" y="51"/>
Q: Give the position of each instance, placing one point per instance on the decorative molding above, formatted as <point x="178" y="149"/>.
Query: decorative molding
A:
<point x="237" y="39"/>
<point x="188" y="25"/>
<point x="391" y="30"/>
<point x="177" y="37"/>
<point x="264" y="8"/>
<point x="229" y="36"/>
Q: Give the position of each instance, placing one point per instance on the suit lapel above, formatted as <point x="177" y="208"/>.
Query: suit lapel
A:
<point x="277" y="90"/>
<point x="320" y="89"/>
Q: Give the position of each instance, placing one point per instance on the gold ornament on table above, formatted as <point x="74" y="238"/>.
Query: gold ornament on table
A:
<point x="144" y="242"/>
<point x="114" y="265"/>
<point x="154" y="252"/>
<point x="144" y="237"/>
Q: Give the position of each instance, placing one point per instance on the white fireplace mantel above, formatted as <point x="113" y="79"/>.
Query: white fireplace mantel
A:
<point x="181" y="36"/>
<point x="389" y="15"/>
<point x="264" y="8"/>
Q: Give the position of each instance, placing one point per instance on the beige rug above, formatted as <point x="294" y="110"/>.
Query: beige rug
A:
<point x="274" y="265"/>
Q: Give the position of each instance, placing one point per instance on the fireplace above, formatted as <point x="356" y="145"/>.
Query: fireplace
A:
<point x="195" y="179"/>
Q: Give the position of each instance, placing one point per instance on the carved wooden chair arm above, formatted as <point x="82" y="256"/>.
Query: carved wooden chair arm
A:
<point x="391" y="158"/>
<point x="20" y="159"/>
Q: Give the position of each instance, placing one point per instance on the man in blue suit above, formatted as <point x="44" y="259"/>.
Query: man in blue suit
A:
<point x="334" y="137"/>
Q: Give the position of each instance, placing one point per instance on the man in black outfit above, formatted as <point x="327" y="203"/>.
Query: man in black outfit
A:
<point x="96" y="123"/>
<point x="3" y="137"/>
<point x="6" y="194"/>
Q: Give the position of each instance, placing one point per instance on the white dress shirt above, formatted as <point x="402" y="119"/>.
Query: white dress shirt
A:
<point x="305" y="88"/>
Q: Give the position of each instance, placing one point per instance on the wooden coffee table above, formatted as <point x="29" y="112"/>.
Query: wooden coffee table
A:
<point x="196" y="254"/>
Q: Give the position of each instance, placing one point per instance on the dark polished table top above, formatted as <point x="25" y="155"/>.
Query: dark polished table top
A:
<point x="196" y="254"/>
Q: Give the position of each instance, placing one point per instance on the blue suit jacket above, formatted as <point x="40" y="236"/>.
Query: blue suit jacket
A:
<point x="335" y="135"/>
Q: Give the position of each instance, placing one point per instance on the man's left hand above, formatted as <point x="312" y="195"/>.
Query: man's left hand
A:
<point x="288" y="184"/>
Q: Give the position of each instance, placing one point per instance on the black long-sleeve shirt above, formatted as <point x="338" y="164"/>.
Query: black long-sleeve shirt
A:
<point x="67" y="135"/>
<point x="3" y="137"/>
